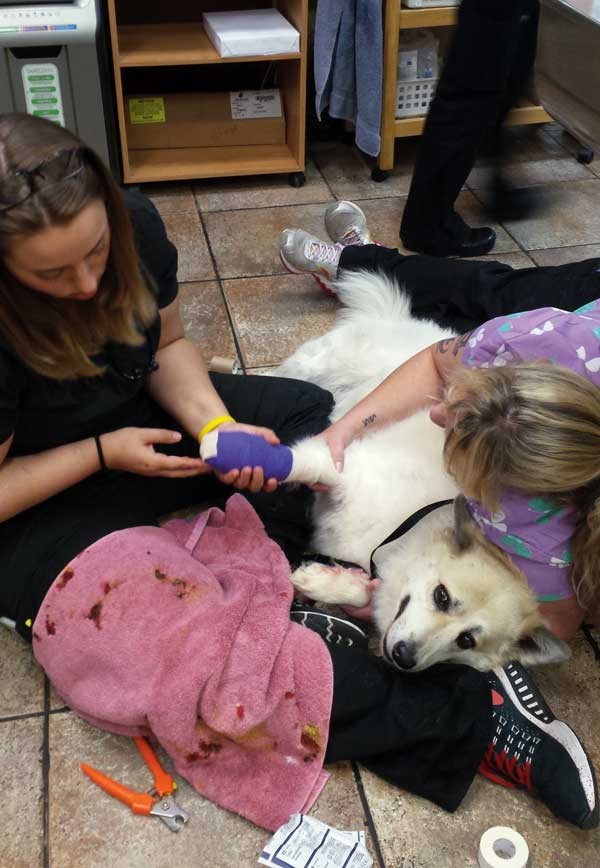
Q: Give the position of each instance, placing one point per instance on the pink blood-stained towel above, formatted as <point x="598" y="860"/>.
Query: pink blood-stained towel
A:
<point x="183" y="633"/>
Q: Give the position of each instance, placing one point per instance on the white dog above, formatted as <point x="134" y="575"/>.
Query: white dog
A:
<point x="446" y="593"/>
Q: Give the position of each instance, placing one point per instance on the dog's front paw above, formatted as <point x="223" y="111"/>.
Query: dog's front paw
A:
<point x="332" y="584"/>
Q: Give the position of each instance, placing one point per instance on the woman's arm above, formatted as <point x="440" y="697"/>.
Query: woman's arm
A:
<point x="181" y="385"/>
<point x="416" y="384"/>
<point x="564" y="617"/>
<point x="30" y="479"/>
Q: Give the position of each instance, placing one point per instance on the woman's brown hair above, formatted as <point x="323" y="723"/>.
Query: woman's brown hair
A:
<point x="533" y="427"/>
<point x="57" y="337"/>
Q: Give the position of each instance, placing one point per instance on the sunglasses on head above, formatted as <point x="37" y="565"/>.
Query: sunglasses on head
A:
<point x="17" y="187"/>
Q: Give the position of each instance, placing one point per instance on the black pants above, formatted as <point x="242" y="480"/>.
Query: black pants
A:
<point x="36" y="544"/>
<point x="464" y="294"/>
<point x="487" y="68"/>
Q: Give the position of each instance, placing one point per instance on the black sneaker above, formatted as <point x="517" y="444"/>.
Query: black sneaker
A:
<point x="533" y="750"/>
<point x="333" y="629"/>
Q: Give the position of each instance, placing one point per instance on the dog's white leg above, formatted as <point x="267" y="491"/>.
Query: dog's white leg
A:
<point x="332" y="584"/>
<point x="313" y="463"/>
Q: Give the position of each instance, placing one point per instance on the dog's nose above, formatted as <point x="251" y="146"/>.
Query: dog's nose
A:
<point x="404" y="655"/>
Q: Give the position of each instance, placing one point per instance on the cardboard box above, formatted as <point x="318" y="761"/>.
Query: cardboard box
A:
<point x="250" y="33"/>
<point x="197" y="120"/>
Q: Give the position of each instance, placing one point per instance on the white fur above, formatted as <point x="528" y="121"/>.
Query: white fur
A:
<point x="388" y="475"/>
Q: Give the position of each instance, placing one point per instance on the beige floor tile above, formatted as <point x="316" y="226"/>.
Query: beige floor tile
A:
<point x="205" y="319"/>
<point x="185" y="231"/>
<point x="400" y="819"/>
<point x="21" y="679"/>
<point x="89" y="829"/>
<point x="274" y="315"/>
<point x="571" y="216"/>
<point x="528" y="144"/>
<point x="246" y="243"/>
<point x="562" y="255"/>
<point x="348" y="172"/>
<point x="384" y="217"/>
<point x="261" y="191"/>
<point x="21" y="835"/>
<point x="339" y="804"/>
<point x="171" y="198"/>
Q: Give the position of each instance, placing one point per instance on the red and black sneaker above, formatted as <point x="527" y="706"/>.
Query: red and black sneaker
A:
<point x="531" y="749"/>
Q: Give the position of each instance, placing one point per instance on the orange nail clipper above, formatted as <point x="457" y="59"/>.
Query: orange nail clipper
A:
<point x="158" y="801"/>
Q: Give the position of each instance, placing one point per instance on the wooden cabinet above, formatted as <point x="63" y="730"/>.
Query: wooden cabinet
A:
<point x="397" y="19"/>
<point x="160" y="47"/>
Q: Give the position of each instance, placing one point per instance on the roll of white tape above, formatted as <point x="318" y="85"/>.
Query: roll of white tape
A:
<point x="502" y="847"/>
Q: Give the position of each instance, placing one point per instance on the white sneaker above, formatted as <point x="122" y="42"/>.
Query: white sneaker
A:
<point x="302" y="253"/>
<point x="346" y="224"/>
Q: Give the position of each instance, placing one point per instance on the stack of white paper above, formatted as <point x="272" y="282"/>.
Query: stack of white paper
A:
<point x="256" y="31"/>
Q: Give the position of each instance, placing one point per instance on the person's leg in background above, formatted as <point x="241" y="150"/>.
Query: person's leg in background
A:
<point x="456" y="293"/>
<point x="430" y="732"/>
<point x="470" y="99"/>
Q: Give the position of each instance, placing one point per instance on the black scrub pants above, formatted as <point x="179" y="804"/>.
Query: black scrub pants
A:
<point x="488" y="67"/>
<point x="464" y="294"/>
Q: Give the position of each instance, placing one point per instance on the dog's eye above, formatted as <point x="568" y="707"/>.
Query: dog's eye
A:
<point x="441" y="598"/>
<point x="465" y="641"/>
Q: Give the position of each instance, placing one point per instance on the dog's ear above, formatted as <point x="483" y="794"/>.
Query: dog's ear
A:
<point x="463" y="524"/>
<point x="540" y="646"/>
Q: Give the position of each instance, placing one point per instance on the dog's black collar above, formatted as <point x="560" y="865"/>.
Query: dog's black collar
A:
<point x="406" y="525"/>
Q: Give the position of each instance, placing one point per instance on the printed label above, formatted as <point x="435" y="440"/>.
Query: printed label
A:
<point x="255" y="104"/>
<point x="147" y="110"/>
<point x="407" y="65"/>
<point x="43" y="98"/>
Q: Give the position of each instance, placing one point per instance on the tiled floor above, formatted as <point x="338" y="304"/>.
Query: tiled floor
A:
<point x="237" y="301"/>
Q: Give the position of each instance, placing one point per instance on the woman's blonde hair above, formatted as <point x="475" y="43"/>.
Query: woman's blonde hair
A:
<point x="534" y="427"/>
<point x="57" y="337"/>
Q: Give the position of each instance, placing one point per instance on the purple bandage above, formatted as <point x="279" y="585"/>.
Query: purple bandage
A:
<point x="236" y="449"/>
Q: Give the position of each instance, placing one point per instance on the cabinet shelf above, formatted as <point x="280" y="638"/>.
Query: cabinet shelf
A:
<point x="441" y="16"/>
<point x="528" y="113"/>
<point x="182" y="164"/>
<point x="176" y="44"/>
<point x="146" y="40"/>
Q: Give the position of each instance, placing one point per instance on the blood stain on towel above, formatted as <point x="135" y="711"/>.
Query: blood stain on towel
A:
<point x="65" y="577"/>
<point x="36" y="637"/>
<point x="158" y="574"/>
<point x="240" y="711"/>
<point x="50" y="627"/>
<point x="289" y="694"/>
<point x="94" y="614"/>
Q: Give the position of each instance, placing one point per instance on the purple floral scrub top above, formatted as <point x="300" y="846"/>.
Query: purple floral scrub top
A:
<point x="531" y="529"/>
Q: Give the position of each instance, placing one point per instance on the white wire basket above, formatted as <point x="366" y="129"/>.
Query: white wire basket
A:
<point x="414" y="97"/>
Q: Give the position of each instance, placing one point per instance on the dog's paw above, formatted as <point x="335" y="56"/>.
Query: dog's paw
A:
<point x="332" y="584"/>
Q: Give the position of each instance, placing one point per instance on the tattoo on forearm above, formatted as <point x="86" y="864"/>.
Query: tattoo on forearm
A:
<point x="443" y="346"/>
<point x="461" y="342"/>
<point x="368" y="420"/>
<point x="454" y="344"/>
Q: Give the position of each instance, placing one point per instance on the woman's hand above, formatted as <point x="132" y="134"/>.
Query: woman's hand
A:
<point x="337" y="437"/>
<point x="563" y="617"/>
<point x="249" y="478"/>
<point x="132" y="449"/>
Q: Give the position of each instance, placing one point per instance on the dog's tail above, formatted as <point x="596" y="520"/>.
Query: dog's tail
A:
<point x="374" y="294"/>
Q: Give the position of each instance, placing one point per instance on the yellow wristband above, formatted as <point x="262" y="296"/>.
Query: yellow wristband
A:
<point x="214" y="423"/>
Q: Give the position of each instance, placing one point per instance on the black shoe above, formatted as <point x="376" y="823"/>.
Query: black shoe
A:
<point x="453" y="238"/>
<point x="331" y="628"/>
<point x="533" y="750"/>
